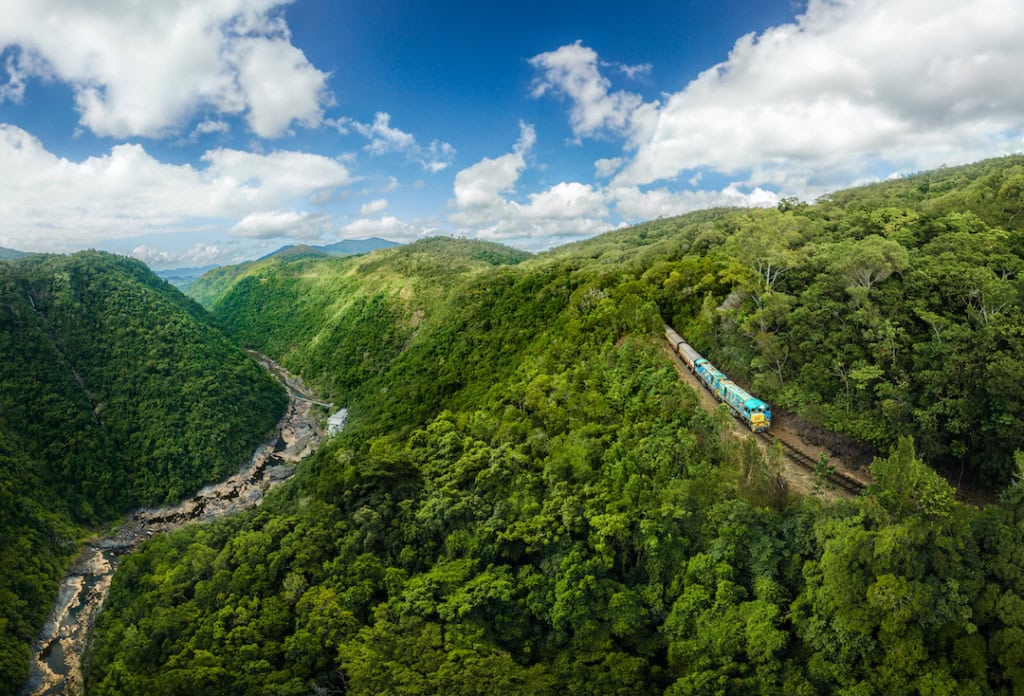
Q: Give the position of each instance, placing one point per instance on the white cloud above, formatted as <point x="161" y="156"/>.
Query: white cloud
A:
<point x="279" y="83"/>
<point x="572" y="70"/>
<point x="384" y="139"/>
<point x="485" y="205"/>
<point x="373" y="207"/>
<point x="437" y="156"/>
<point x="145" y="68"/>
<point x="51" y="203"/>
<point x="564" y="201"/>
<point x="387" y="227"/>
<point x="209" y="126"/>
<point x="539" y="233"/>
<point x="482" y="209"/>
<point x="848" y="88"/>
<point x="199" y="254"/>
<point x="268" y="179"/>
<point x="604" y="168"/>
<point x="282" y="223"/>
<point x="18" y="67"/>
<point x="481" y="185"/>
<point x="635" y="72"/>
<point x="848" y="83"/>
<point x="634" y="205"/>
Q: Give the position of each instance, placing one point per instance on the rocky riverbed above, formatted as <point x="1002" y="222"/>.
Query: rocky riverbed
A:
<point x="57" y="654"/>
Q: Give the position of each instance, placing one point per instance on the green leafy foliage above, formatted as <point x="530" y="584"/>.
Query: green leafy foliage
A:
<point x="339" y="321"/>
<point x="116" y="392"/>
<point x="528" y="500"/>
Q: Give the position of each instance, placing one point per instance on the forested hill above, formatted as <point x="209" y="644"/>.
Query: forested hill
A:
<point x="8" y="254"/>
<point x="890" y="309"/>
<point x="528" y="500"/>
<point x="116" y="392"/>
<point x="340" y="321"/>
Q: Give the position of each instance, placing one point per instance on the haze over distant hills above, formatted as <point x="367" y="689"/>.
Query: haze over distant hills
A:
<point x="182" y="278"/>
<point x="6" y="253"/>
<point x="345" y="247"/>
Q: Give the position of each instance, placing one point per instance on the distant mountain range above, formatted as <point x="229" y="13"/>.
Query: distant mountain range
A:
<point x="345" y="247"/>
<point x="11" y="253"/>
<point x="181" y="278"/>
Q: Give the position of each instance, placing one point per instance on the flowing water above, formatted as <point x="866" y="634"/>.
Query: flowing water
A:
<point x="57" y="653"/>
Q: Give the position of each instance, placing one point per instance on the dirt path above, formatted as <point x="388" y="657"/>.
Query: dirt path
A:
<point x="57" y="653"/>
<point x="799" y="479"/>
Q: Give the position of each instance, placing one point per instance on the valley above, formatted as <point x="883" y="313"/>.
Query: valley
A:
<point x="525" y="494"/>
<point x="61" y="646"/>
<point x="511" y="349"/>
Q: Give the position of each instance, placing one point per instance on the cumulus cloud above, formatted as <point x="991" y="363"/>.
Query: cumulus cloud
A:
<point x="573" y="71"/>
<point x="481" y="185"/>
<point x="208" y="126"/>
<point x="282" y="223"/>
<point x="848" y="85"/>
<point x="634" y="205"/>
<point x="604" y="168"/>
<point x="17" y="69"/>
<point x="384" y="139"/>
<point x="635" y="72"/>
<point x="482" y="208"/>
<point x="373" y="207"/>
<point x="387" y="226"/>
<point x="199" y="254"/>
<point x="280" y="85"/>
<point x="49" y="203"/>
<point x="486" y="206"/>
<point x="145" y="68"/>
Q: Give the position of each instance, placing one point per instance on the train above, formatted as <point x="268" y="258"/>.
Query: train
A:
<point x="755" y="413"/>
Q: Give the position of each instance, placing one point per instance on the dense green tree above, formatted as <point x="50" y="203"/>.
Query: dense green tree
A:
<point x="527" y="499"/>
<point x="116" y="392"/>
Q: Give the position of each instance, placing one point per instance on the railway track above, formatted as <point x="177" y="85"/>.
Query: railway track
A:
<point x="839" y="478"/>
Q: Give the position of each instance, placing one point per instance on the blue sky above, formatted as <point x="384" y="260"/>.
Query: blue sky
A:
<point x="211" y="131"/>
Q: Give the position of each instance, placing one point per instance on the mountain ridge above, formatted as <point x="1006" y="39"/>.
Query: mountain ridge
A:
<point x="345" y="247"/>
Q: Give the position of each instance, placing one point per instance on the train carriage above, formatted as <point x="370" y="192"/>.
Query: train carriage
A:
<point x="754" y="412"/>
<point x="673" y="338"/>
<point x="689" y="355"/>
<point x="683" y="349"/>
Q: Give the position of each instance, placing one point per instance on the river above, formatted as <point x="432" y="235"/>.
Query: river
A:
<point x="57" y="653"/>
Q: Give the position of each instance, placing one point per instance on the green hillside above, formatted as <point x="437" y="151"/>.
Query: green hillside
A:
<point x="339" y="321"/>
<point x="345" y="247"/>
<point x="528" y="500"/>
<point x="117" y="392"/>
<point x="9" y="254"/>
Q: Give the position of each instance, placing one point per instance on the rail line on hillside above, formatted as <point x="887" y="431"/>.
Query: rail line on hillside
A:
<point x="839" y="478"/>
<point x="687" y="359"/>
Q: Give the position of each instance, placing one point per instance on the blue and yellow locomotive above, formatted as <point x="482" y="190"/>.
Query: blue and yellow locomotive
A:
<point x="754" y="412"/>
